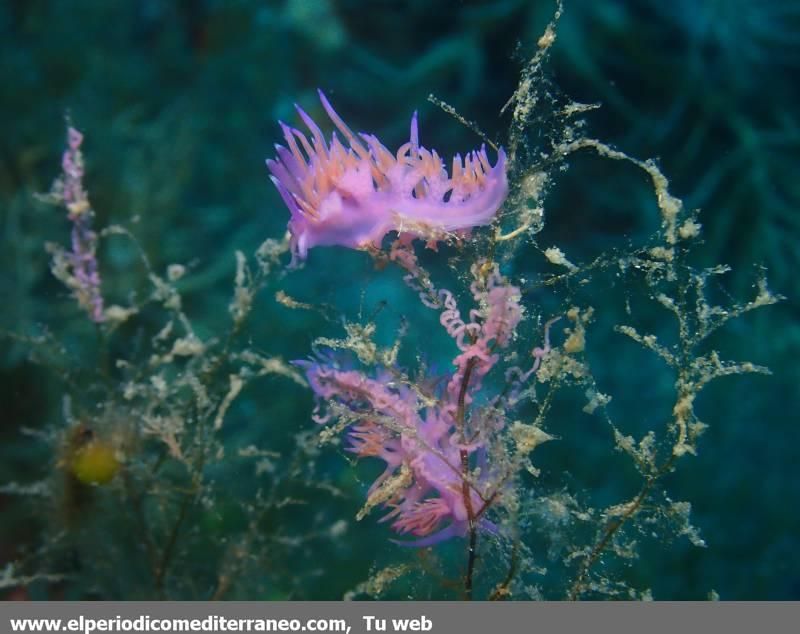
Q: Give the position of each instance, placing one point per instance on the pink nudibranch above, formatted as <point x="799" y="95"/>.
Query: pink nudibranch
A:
<point x="353" y="195"/>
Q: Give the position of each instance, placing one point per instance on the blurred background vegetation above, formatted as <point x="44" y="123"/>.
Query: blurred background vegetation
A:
<point x="179" y="101"/>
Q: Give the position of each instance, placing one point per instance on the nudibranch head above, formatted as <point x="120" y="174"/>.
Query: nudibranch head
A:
<point x="353" y="193"/>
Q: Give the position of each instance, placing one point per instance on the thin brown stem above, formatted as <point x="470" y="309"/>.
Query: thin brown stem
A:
<point x="501" y="591"/>
<point x="472" y="550"/>
<point x="613" y="527"/>
<point x="462" y="397"/>
<point x="465" y="484"/>
<point x="166" y="556"/>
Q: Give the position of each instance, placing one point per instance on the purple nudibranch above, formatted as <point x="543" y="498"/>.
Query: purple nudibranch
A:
<point x="352" y="194"/>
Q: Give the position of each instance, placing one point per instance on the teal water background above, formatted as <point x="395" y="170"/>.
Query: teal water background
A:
<point x="179" y="103"/>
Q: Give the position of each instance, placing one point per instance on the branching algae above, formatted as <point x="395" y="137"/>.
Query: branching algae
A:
<point x="475" y="499"/>
<point x="456" y="443"/>
<point x="141" y="480"/>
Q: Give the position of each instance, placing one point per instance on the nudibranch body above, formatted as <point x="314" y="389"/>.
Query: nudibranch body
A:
<point x="353" y="195"/>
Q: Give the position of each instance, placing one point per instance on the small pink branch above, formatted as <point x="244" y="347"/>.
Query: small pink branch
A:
<point x="81" y="261"/>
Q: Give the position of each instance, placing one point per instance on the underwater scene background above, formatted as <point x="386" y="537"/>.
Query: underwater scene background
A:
<point x="162" y="445"/>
